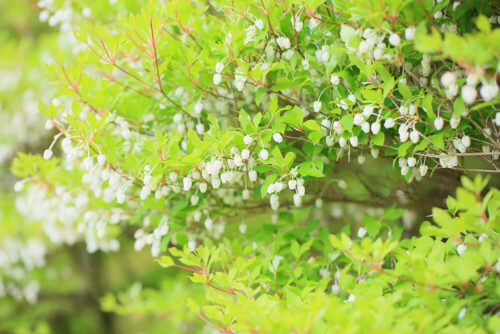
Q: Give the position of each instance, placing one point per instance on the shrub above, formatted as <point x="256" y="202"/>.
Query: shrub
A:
<point x="219" y="129"/>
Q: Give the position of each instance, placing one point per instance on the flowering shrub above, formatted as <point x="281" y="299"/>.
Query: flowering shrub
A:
<point x="219" y="129"/>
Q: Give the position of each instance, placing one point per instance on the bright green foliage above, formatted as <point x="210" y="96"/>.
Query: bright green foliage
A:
<point x="379" y="283"/>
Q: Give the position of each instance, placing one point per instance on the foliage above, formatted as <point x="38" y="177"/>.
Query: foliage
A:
<point x="218" y="134"/>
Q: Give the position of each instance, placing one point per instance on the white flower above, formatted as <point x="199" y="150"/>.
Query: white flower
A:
<point x="245" y="154"/>
<point x="195" y="199"/>
<point x="203" y="187"/>
<point x="404" y="170"/>
<point x="297" y="23"/>
<point x="351" y="298"/>
<point x="86" y="12"/>
<point x="283" y="42"/>
<point x="252" y="176"/>
<point x="200" y="128"/>
<point x="375" y="128"/>
<point x="438" y="123"/>
<point x="247" y="140"/>
<point x="101" y="159"/>
<point x="120" y="197"/>
<point x="66" y="144"/>
<point x="277" y="137"/>
<point x="461" y="249"/>
<point x="389" y="123"/>
<point x="365" y="127"/>
<point x="287" y="55"/>
<point x="411" y="162"/>
<point x="44" y="15"/>
<point x="351" y="98"/>
<point x="18" y="186"/>
<point x="354" y="141"/>
<point x="297" y="200"/>
<point x="466" y="141"/>
<point x="192" y="245"/>
<point x="219" y="67"/>
<point x="274" y="201"/>
<point x="452" y="91"/>
<point x="317" y="106"/>
<point x="145" y="191"/>
<point x="172" y="177"/>
<point x="245" y="194"/>
<point x="49" y="125"/>
<point x="361" y="159"/>
<point x="337" y="127"/>
<point x="410" y="33"/>
<point x="361" y="232"/>
<point x="342" y="142"/>
<point x="489" y="91"/>
<point x="239" y="81"/>
<point x="378" y="54"/>
<point x="462" y="312"/>
<point x="242" y="228"/>
<point x="322" y="55"/>
<point x="367" y="111"/>
<point x="454" y="122"/>
<point x="469" y="94"/>
<point x="259" y="24"/>
<point x="198" y="107"/>
<point x="403" y="134"/>
<point x="263" y="154"/>
<point x="47" y="154"/>
<point x="306" y="65"/>
<point x="374" y="152"/>
<point x="448" y="161"/>
<point x="473" y="78"/>
<point x="250" y="34"/>
<point x="403" y="110"/>
<point x="208" y="224"/>
<point x="448" y="79"/>
<point x="216" y="182"/>
<point x="334" y="79"/>
<point x="313" y="22"/>
<point x="394" y="39"/>
<point x="363" y="47"/>
<point x="414" y="136"/>
<point x="358" y="119"/>
<point x="292" y="184"/>
<point x="187" y="182"/>
<point x="423" y="169"/>
<point x="497" y="118"/>
<point x="412" y="110"/>
<point x="217" y="78"/>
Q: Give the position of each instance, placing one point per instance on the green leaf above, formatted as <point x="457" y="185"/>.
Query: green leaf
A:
<point x="405" y="91"/>
<point x="165" y="261"/>
<point x="378" y="139"/>
<point x="312" y="125"/>
<point x="347" y="122"/>
<point x="437" y="140"/>
<point x="192" y="305"/>
<point x="458" y="107"/>
<point x="293" y="117"/>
